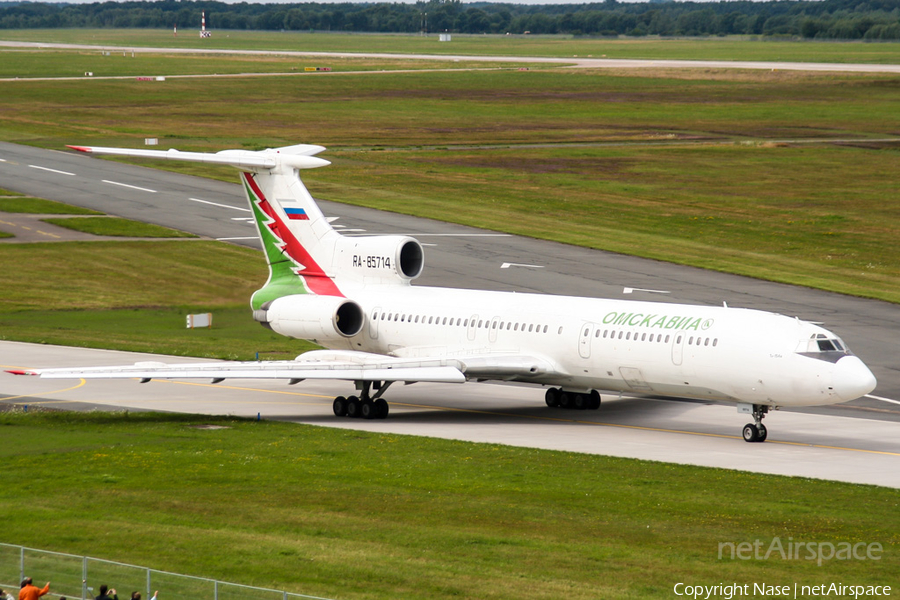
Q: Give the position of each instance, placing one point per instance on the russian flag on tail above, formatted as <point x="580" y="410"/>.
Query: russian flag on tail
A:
<point x="296" y="214"/>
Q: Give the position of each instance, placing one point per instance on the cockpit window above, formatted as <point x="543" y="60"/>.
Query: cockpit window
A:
<point x="823" y="347"/>
<point x="826" y="345"/>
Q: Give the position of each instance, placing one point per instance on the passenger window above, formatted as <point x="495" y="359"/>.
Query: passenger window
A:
<point x="706" y="342"/>
<point x="445" y="321"/>
<point x="480" y="322"/>
<point x="596" y="335"/>
<point x="643" y="337"/>
<point x="430" y="319"/>
<point x="651" y="337"/>
<point x="530" y="328"/>
<point x="715" y="342"/>
<point x="560" y="330"/>
<point x="545" y="329"/>
<point x="628" y="336"/>
<point x="678" y="340"/>
<point x="494" y="325"/>
<point x="621" y="333"/>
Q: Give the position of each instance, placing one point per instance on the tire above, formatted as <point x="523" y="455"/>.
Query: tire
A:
<point x="595" y="400"/>
<point x="579" y="401"/>
<point x="381" y="409"/>
<point x="353" y="407"/>
<point x="751" y="433"/>
<point x="367" y="409"/>
<point x="552" y="397"/>
<point x="340" y="406"/>
<point x="763" y="433"/>
<point x="565" y="400"/>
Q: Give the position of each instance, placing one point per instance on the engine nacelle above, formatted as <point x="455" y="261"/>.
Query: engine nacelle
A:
<point x="311" y="317"/>
<point x="379" y="259"/>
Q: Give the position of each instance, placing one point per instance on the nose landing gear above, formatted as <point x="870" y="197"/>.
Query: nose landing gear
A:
<point x="756" y="432"/>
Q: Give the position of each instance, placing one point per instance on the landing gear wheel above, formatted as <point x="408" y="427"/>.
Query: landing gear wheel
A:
<point x="594" y="403"/>
<point x="751" y="433"/>
<point x="565" y="400"/>
<point x="340" y="406"/>
<point x="756" y="432"/>
<point x="579" y="401"/>
<point x="353" y="407"/>
<point x="367" y="409"/>
<point x="552" y="397"/>
<point x="381" y="409"/>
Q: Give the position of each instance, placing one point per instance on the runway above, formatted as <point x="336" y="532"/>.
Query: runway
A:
<point x="853" y="442"/>
<point x="694" y="433"/>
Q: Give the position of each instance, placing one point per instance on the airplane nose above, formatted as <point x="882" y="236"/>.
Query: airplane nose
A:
<point x="852" y="378"/>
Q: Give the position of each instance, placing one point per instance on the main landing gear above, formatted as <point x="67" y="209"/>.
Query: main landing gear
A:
<point x="756" y="432"/>
<point x="365" y="406"/>
<point x="556" y="397"/>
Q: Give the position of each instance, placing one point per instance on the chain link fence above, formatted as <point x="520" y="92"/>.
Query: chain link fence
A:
<point x="81" y="577"/>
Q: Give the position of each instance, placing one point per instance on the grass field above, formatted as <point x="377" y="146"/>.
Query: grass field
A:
<point x="23" y="204"/>
<point x="348" y="514"/>
<point x="484" y="45"/>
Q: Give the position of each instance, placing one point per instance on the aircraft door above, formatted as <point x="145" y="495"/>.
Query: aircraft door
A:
<point x="584" y="341"/>
<point x="473" y="326"/>
<point x="373" y="323"/>
<point x="492" y="332"/>
<point x="677" y="348"/>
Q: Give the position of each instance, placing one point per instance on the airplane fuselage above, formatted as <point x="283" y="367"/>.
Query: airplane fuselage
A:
<point x="714" y="353"/>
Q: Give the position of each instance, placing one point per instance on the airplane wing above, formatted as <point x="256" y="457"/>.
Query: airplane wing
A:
<point x="320" y="364"/>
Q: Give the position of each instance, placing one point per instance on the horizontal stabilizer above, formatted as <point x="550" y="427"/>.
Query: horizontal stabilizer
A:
<point x="299" y="156"/>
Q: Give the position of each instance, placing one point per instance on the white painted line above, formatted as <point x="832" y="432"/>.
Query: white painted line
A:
<point x="332" y="220"/>
<point x="430" y="245"/>
<point x="219" y="205"/>
<point x="247" y="219"/>
<point x="353" y="230"/>
<point x="2" y="160"/>
<point x="134" y="187"/>
<point x="252" y="237"/>
<point x="508" y="265"/>
<point x="629" y="290"/>
<point x="51" y="170"/>
<point x="882" y="399"/>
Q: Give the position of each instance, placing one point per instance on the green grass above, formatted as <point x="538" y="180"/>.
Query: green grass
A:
<point x="118" y="227"/>
<point x="348" y="514"/>
<point x="70" y="63"/>
<point x="135" y="296"/>
<point x="732" y="48"/>
<point x="22" y="204"/>
<point x="3" y="234"/>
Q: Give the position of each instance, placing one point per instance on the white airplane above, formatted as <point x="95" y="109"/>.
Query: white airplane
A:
<point x="353" y="296"/>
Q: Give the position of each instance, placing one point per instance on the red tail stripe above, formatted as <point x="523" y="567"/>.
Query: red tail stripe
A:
<point x="316" y="279"/>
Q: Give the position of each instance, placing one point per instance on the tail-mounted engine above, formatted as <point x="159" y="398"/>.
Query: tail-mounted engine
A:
<point x="311" y="317"/>
<point x="379" y="259"/>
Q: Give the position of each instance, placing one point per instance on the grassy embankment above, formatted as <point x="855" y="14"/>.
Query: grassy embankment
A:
<point x="348" y="514"/>
<point x="732" y="48"/>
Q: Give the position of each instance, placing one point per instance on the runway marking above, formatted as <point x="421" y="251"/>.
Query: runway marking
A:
<point x="81" y="382"/>
<point x="51" y="170"/>
<point x="543" y="418"/>
<point x="508" y="265"/>
<point x="220" y="205"/>
<point x="882" y="399"/>
<point x="629" y="290"/>
<point x="134" y="187"/>
<point x="231" y="239"/>
<point x="47" y="233"/>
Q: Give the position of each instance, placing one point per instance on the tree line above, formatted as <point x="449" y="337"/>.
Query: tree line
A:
<point x="826" y="19"/>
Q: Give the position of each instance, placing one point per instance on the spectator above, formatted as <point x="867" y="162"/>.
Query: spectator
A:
<point x="6" y="596"/>
<point x="30" y="591"/>
<point x="104" y="595"/>
<point x="137" y="596"/>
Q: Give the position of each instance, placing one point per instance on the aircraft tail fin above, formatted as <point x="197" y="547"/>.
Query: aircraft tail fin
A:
<point x="297" y="238"/>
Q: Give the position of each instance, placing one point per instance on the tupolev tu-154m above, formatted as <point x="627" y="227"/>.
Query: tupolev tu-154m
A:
<point x="353" y="296"/>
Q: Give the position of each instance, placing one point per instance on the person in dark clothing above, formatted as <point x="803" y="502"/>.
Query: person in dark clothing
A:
<point x="107" y="594"/>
